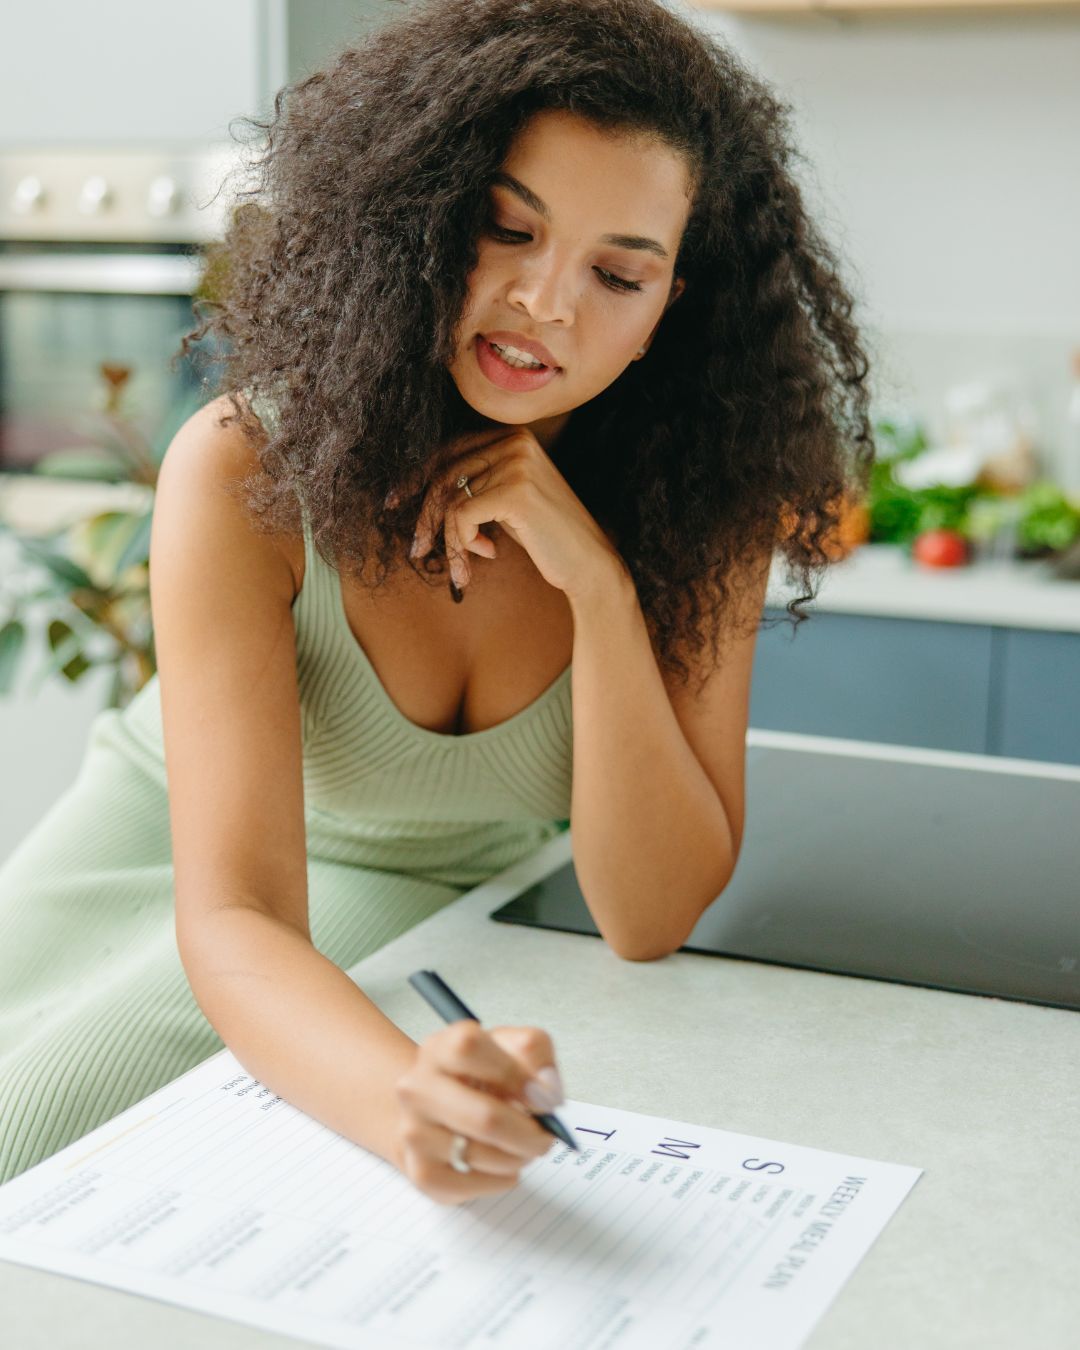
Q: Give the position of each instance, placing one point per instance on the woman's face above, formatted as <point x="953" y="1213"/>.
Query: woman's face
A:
<point x="574" y="212"/>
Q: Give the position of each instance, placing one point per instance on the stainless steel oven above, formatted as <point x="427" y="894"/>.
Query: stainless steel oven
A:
<point x="99" y="261"/>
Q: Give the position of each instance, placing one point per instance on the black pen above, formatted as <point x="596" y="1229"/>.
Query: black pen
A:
<point x="438" y="995"/>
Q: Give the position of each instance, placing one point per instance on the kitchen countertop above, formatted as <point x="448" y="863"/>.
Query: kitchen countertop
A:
<point x="877" y="579"/>
<point x="881" y="579"/>
<point x="983" y="1253"/>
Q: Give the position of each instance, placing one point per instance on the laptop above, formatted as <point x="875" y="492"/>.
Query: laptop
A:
<point x="926" y="867"/>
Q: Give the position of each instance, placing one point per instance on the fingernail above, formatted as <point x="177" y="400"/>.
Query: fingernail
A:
<point x="538" y="1096"/>
<point x="416" y="548"/>
<point x="391" y="500"/>
<point x="551" y="1080"/>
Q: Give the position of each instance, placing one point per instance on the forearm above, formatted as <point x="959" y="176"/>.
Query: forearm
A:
<point x="652" y="843"/>
<point x="298" y="1024"/>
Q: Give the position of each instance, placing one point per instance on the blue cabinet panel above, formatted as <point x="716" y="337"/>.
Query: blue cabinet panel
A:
<point x="904" y="681"/>
<point x="1039" y="677"/>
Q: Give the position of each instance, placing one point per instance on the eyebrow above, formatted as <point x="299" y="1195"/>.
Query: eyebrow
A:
<point x="533" y="202"/>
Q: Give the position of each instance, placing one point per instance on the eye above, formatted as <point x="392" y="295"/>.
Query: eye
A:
<point x="618" y="283"/>
<point x="508" y="236"/>
<point x="609" y="279"/>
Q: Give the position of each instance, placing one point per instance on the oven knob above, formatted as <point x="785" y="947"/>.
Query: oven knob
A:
<point x="29" y="195"/>
<point x="95" y="195"/>
<point x="163" y="197"/>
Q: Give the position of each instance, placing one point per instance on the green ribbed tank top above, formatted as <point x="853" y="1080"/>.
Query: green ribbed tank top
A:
<point x="366" y="760"/>
<point x="381" y="791"/>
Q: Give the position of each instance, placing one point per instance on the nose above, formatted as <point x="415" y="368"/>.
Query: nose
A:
<point x="544" y="291"/>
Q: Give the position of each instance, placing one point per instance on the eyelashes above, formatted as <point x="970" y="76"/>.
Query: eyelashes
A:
<point x="609" y="279"/>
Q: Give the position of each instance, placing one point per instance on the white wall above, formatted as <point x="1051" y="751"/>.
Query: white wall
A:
<point x="145" y="72"/>
<point x="945" y="157"/>
<point x="127" y="72"/>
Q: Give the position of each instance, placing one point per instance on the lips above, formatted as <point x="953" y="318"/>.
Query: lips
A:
<point x="524" y="344"/>
<point x="513" y="378"/>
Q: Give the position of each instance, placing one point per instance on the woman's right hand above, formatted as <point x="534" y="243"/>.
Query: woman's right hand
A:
<point x="472" y="1081"/>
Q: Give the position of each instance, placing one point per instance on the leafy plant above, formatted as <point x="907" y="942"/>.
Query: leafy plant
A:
<point x="899" y="513"/>
<point x="1043" y="518"/>
<point x="1048" y="521"/>
<point x="896" y="441"/>
<point x="95" y="596"/>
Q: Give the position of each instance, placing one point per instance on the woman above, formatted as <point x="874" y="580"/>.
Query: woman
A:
<point x="522" y="292"/>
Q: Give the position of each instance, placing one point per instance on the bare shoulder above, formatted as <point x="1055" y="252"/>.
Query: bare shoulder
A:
<point x="210" y="454"/>
<point x="220" y="593"/>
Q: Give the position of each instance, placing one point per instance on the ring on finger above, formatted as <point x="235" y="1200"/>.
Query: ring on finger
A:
<point x="458" y="1144"/>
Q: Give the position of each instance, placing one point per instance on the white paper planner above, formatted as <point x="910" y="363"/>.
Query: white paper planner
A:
<point x="216" y="1195"/>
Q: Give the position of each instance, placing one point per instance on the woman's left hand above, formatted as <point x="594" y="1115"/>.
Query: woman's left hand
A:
<point x="515" y="484"/>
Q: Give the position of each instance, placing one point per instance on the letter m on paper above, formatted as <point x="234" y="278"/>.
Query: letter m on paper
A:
<point x="670" y="1148"/>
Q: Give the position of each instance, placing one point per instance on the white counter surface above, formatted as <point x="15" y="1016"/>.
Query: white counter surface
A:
<point x="982" y="1093"/>
<point x="881" y="579"/>
<point x="876" y="579"/>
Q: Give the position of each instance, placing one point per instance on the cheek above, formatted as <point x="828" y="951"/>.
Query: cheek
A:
<point x="484" y="276"/>
<point x="615" y="345"/>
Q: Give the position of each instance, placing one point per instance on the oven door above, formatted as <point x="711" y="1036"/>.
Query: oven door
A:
<point x="71" y="312"/>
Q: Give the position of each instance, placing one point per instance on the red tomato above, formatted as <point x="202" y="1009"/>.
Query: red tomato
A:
<point x="940" y="548"/>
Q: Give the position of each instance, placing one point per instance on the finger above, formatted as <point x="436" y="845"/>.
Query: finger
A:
<point x="427" y="524"/>
<point x="531" y="1046"/>
<point x="478" y="442"/>
<point x="480" y="542"/>
<point x="411" y="481"/>
<point x="443" y="1100"/>
<point x="470" y="1052"/>
<point x="492" y="506"/>
<point x="455" y="553"/>
<point x="477" y="466"/>
<point x="535" y="1050"/>
<point x="463" y="537"/>
<point x="442" y="1183"/>
<point x="444" y="491"/>
<point x="432" y="1140"/>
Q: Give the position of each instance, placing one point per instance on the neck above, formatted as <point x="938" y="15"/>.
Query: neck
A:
<point x="549" y="429"/>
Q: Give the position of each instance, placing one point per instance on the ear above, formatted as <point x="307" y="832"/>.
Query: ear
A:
<point x="677" y="288"/>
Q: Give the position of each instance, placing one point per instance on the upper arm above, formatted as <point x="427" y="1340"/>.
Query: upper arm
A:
<point x="221" y="598"/>
<point x="715" y="721"/>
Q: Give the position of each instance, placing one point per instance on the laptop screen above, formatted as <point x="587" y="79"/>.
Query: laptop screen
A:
<point x="954" y="871"/>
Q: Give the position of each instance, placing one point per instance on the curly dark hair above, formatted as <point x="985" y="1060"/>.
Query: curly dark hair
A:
<point x="344" y="273"/>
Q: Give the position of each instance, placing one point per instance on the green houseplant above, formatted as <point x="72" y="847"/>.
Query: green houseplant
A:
<point x="94" y="588"/>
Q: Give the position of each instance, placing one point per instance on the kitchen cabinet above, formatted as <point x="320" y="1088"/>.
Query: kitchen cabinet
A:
<point x="905" y="681"/>
<point x="984" y="688"/>
<point x="1037" y="676"/>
